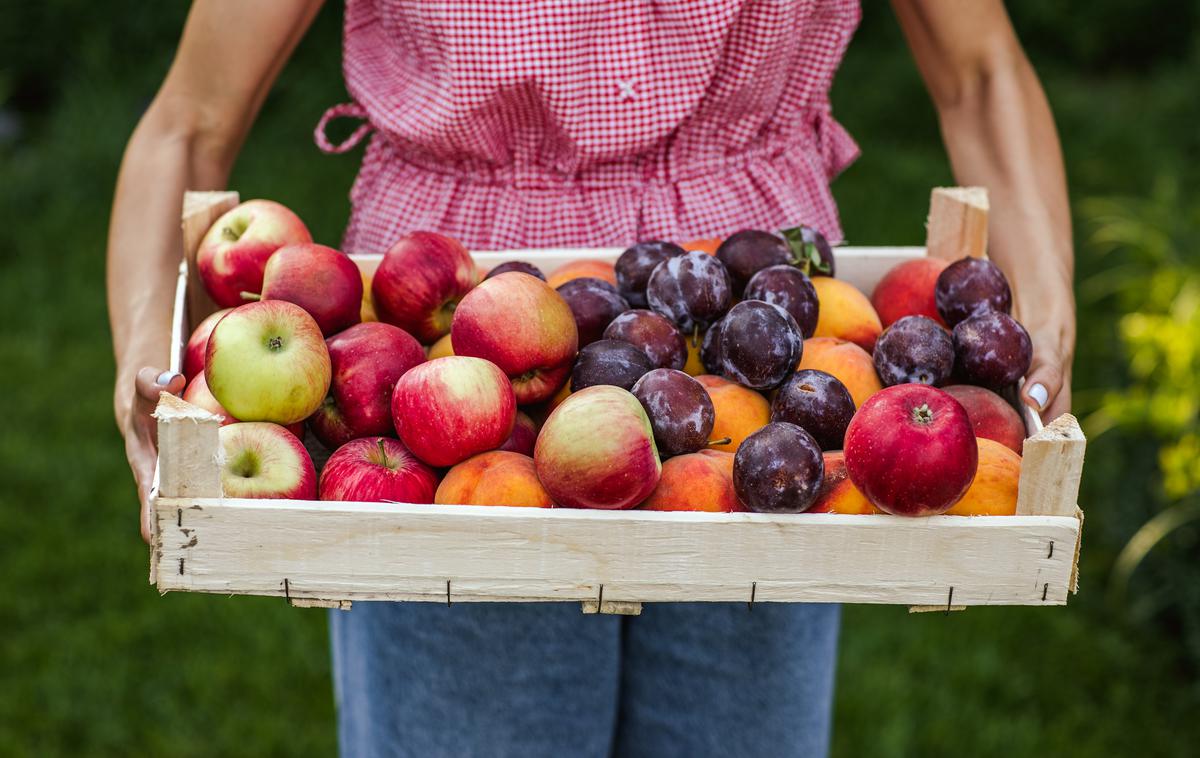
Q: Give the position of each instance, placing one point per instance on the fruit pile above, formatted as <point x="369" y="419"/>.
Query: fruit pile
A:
<point x="735" y="375"/>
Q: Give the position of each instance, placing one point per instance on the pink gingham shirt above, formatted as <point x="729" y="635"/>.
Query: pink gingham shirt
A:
<point x="592" y="123"/>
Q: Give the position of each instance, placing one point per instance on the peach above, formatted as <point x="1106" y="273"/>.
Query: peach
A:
<point x="991" y="415"/>
<point x="845" y="313"/>
<point x="907" y="290"/>
<point x="499" y="477"/>
<point x="838" y="494"/>
<point x="441" y="348"/>
<point x="994" y="491"/>
<point x="700" y="481"/>
<point x="366" y="311"/>
<point x="740" y="411"/>
<point x="708" y="245"/>
<point x="579" y="269"/>
<point x="845" y="360"/>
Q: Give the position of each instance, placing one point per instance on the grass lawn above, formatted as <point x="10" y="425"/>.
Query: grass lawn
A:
<point x="96" y="663"/>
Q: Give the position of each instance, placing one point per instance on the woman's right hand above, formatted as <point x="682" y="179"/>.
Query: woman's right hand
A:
<point x="141" y="432"/>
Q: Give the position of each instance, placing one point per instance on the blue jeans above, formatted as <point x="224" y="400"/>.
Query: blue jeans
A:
<point x="503" y="679"/>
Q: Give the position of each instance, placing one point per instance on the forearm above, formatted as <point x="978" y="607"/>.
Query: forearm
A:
<point x="1000" y="134"/>
<point x="166" y="155"/>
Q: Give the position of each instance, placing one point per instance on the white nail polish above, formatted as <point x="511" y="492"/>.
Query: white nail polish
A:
<point x="1039" y="395"/>
<point x="165" y="378"/>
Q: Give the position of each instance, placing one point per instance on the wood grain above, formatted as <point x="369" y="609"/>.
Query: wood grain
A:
<point x="958" y="223"/>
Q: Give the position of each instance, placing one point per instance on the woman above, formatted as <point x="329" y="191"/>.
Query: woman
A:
<point x="538" y="124"/>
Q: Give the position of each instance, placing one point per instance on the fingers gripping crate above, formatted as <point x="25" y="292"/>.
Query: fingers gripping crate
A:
<point x="333" y="553"/>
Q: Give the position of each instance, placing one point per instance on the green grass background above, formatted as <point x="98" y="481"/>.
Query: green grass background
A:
<point x="94" y="662"/>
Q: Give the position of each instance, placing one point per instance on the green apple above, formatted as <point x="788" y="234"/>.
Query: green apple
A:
<point x="267" y="361"/>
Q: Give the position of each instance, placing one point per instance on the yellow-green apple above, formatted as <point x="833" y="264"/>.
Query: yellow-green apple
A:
<point x="366" y="361"/>
<point x="519" y="323"/>
<point x="596" y="450"/>
<point x="451" y="408"/>
<point x="193" y="354"/>
<point x="320" y="280"/>
<point x="267" y="361"/>
<point x="264" y="460"/>
<point x="911" y="450"/>
<point x="197" y="394"/>
<point x="234" y="251"/>
<point x="377" y="470"/>
<point x="419" y="283"/>
<point x="523" y="437"/>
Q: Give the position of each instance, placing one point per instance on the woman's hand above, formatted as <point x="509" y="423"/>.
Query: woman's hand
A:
<point x="141" y="432"/>
<point x="1048" y="383"/>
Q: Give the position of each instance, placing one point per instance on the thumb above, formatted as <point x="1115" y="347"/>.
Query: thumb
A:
<point x="150" y="383"/>
<point x="1044" y="382"/>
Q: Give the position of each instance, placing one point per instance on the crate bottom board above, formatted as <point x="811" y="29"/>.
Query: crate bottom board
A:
<point x="334" y="553"/>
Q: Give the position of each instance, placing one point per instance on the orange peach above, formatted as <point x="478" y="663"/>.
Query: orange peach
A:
<point x="838" y="494"/>
<point x="845" y="360"/>
<point x="994" y="490"/>
<point x="579" y="269"/>
<point x="740" y="412"/>
<point x="441" y="348"/>
<point x="700" y="481"/>
<point x="498" y="477"/>
<point x="709" y="245"/>
<point x="366" y="311"/>
<point x="845" y="313"/>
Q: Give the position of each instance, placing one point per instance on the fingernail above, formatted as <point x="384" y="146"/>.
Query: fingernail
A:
<point x="165" y="378"/>
<point x="1039" y="395"/>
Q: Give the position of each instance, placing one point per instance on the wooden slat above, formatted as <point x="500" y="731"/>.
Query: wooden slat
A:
<point x="958" y="223"/>
<point x="189" y="449"/>
<point x="376" y="551"/>
<point x="200" y="210"/>
<point x="1051" y="467"/>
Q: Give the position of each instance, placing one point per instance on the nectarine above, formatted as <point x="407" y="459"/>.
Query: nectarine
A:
<point x="847" y="361"/>
<point x="845" y="313"/>
<point x="700" y="481"/>
<point x="499" y="477"/>
<point x="994" y="491"/>
<point x="740" y="412"/>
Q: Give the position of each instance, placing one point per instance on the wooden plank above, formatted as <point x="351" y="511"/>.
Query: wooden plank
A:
<point x="200" y="210"/>
<point x="378" y="551"/>
<point x="1051" y="466"/>
<point x="861" y="266"/>
<point x="958" y="223"/>
<point x="189" y="449"/>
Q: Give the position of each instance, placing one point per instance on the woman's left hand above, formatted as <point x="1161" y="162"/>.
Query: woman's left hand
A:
<point x="1048" y="382"/>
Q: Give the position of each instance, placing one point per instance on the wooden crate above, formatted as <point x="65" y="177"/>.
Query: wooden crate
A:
<point x="331" y="554"/>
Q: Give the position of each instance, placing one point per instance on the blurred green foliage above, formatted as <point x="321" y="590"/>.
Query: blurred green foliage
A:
<point x="95" y="663"/>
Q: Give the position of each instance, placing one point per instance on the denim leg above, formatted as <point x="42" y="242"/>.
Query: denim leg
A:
<point x="714" y="679"/>
<point x="474" y="679"/>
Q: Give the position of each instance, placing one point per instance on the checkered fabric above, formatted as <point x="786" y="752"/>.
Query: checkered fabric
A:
<point x="530" y="123"/>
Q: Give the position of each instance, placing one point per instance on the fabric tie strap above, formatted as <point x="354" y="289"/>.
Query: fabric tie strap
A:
<point x="342" y="110"/>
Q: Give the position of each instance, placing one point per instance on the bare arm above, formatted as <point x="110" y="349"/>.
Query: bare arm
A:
<point x="228" y="58"/>
<point x="1000" y="134"/>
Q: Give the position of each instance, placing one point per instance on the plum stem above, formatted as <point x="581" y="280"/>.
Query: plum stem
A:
<point x="251" y="296"/>
<point x="922" y="414"/>
<point x="721" y="441"/>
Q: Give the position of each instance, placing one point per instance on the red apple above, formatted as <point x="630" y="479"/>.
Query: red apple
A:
<point x="522" y="325"/>
<point x="911" y="450"/>
<point x="596" y="450"/>
<point x="907" y="290"/>
<point x="267" y="361"/>
<point x="523" y="437"/>
<point x="419" y="282"/>
<point x="234" y="251"/>
<point x="451" y="408"/>
<point x="197" y="344"/>
<point x="992" y="417"/>
<point x="320" y="280"/>
<point x="366" y="361"/>
<point x="264" y="460"/>
<point x="375" y="470"/>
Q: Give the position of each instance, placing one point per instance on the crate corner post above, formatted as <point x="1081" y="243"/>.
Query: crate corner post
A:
<point x="958" y="223"/>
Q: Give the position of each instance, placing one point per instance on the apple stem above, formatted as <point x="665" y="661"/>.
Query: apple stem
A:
<point x="251" y="296"/>
<point x="922" y="414"/>
<point x="383" y="453"/>
<point x="722" y="441"/>
<point x="275" y="343"/>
